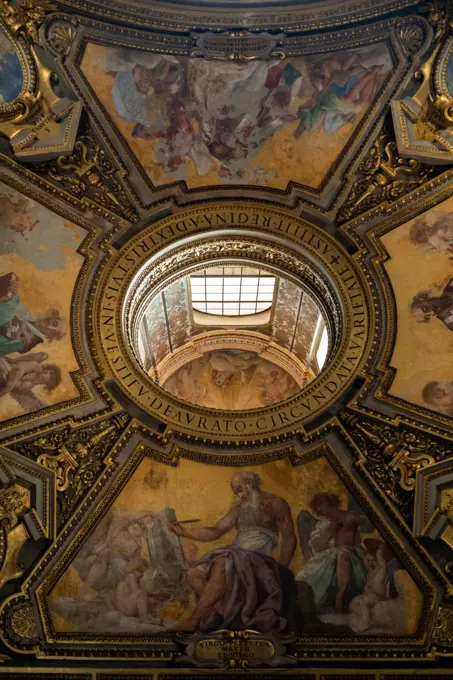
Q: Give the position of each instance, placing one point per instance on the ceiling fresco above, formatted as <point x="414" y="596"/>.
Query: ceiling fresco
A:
<point x="262" y="123"/>
<point x="420" y="271"/>
<point x="231" y="380"/>
<point x="155" y="497"/>
<point x="188" y="493"/>
<point x="39" y="268"/>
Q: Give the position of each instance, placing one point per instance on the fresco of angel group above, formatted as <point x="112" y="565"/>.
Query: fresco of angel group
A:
<point x="38" y="269"/>
<point x="232" y="380"/>
<point x="421" y="275"/>
<point x="200" y="548"/>
<point x="219" y="122"/>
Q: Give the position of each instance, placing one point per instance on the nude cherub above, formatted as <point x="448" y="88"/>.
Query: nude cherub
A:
<point x="118" y="567"/>
<point x="18" y="377"/>
<point x="375" y="587"/>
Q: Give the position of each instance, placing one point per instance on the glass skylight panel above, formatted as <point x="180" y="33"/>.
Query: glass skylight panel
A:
<point x="232" y="291"/>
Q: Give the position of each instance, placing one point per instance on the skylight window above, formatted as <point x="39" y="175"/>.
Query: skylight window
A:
<point x="232" y="291"/>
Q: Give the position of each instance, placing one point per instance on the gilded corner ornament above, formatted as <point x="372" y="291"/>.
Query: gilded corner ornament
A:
<point x="25" y="16"/>
<point x="76" y="457"/>
<point x="443" y="630"/>
<point x="394" y="456"/>
<point x="383" y="176"/>
<point x="91" y="176"/>
<point x="423" y="119"/>
<point x="14" y="503"/>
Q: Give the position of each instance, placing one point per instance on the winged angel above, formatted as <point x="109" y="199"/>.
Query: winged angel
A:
<point x="346" y="573"/>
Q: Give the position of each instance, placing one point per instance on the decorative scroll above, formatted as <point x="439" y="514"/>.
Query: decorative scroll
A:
<point x="76" y="457"/>
<point x="383" y="176"/>
<point x="90" y="175"/>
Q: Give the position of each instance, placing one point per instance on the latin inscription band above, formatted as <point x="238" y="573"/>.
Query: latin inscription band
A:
<point x="352" y="290"/>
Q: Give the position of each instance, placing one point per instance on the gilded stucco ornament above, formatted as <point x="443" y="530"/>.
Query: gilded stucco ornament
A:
<point x="433" y="510"/>
<point x="26" y="16"/>
<point x="25" y="514"/>
<point x="38" y="123"/>
<point x="23" y="622"/>
<point x="237" y="649"/>
<point x="383" y="176"/>
<point x="91" y="176"/>
<point x="394" y="456"/>
<point x="76" y="457"/>
<point x="443" y="631"/>
<point x="61" y="35"/>
<point x="238" y="45"/>
<point x="14" y="502"/>
<point x="423" y="115"/>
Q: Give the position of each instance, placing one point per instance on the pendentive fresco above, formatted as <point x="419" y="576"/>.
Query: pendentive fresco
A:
<point x="263" y="123"/>
<point x="39" y="268"/>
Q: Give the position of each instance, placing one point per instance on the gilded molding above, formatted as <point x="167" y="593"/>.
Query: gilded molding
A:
<point x="181" y="17"/>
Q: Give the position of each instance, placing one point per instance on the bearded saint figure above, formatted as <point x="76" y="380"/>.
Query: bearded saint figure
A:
<point x="242" y="585"/>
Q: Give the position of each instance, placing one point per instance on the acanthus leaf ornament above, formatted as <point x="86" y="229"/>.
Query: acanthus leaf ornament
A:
<point x="382" y="176"/>
<point x="394" y="455"/>
<point x="91" y="177"/>
<point x="76" y="457"/>
<point x="25" y="16"/>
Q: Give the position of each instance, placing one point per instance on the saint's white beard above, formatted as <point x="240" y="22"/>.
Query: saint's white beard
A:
<point x="250" y="508"/>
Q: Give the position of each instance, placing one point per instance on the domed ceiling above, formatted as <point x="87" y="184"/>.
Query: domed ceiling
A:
<point x="226" y="314"/>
